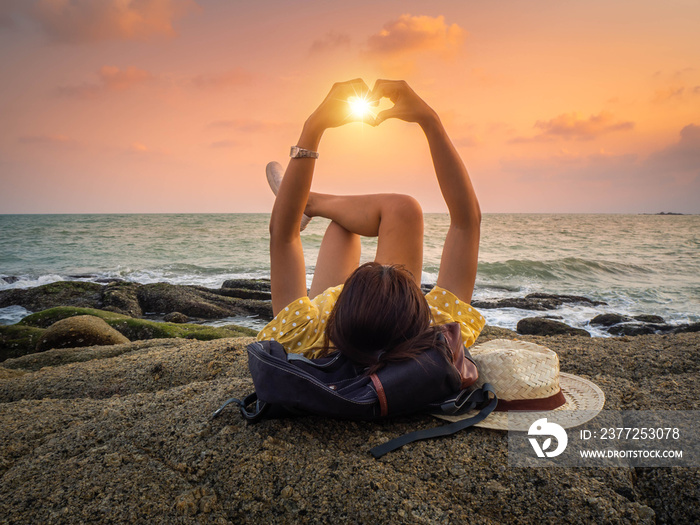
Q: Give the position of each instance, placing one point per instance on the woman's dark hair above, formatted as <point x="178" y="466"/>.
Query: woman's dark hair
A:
<point x="380" y="316"/>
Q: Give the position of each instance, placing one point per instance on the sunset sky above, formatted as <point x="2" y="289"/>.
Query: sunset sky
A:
<point x="110" y="106"/>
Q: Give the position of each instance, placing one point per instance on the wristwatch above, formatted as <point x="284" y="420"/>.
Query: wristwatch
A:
<point x="300" y="153"/>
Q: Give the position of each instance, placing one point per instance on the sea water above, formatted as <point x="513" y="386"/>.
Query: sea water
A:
<point x="637" y="264"/>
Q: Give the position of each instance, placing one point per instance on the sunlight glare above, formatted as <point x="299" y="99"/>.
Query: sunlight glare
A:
<point x="360" y="107"/>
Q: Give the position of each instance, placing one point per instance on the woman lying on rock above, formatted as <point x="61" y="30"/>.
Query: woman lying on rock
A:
<point x="376" y="312"/>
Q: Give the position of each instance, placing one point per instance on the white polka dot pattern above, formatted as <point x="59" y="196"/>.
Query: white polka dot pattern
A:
<point x="445" y="308"/>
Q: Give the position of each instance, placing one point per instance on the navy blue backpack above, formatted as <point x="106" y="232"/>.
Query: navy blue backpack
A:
<point x="292" y="385"/>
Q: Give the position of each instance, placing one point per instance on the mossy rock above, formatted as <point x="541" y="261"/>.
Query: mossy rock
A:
<point x="70" y="293"/>
<point x="79" y="331"/>
<point x="46" y="318"/>
<point x="22" y="338"/>
<point x="17" y="340"/>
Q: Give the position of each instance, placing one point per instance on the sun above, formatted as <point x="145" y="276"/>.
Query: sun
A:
<point x="360" y="107"/>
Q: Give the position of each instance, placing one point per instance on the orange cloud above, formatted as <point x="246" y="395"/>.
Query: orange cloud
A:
<point x="138" y="147"/>
<point x="111" y="78"/>
<point x="78" y="21"/>
<point x="675" y="94"/>
<point x="411" y="34"/>
<point x="330" y="41"/>
<point x="570" y="127"/>
<point x="667" y="94"/>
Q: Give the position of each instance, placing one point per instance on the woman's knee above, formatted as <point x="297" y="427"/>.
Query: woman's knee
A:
<point x="406" y="209"/>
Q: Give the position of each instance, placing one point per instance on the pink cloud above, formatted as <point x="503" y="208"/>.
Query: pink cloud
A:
<point x="110" y="78"/>
<point x="226" y="80"/>
<point x="45" y="139"/>
<point x="570" y="126"/>
<point x="666" y="179"/>
<point x="410" y="34"/>
<point x="9" y="9"/>
<point x="683" y="156"/>
<point x="330" y="41"/>
<point x="78" y="21"/>
<point x="247" y="126"/>
<point x="221" y="144"/>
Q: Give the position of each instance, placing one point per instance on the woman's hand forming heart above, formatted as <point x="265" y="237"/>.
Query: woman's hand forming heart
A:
<point x="334" y="110"/>
<point x="407" y="105"/>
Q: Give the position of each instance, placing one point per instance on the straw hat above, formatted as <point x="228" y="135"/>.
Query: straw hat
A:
<point x="529" y="386"/>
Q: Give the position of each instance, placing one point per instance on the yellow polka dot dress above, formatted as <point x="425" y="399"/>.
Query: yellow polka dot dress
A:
<point x="301" y="325"/>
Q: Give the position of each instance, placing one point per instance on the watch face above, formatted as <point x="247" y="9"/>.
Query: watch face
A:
<point x="294" y="152"/>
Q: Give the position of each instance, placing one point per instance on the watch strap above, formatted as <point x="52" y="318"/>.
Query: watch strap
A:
<point x="299" y="153"/>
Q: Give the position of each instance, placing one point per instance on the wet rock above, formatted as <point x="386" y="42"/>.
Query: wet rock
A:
<point x="543" y="326"/>
<point x="686" y="328"/>
<point x="641" y="329"/>
<point x="196" y="301"/>
<point x="82" y="330"/>
<point x="135" y="299"/>
<point x="244" y="293"/>
<point x="175" y="317"/>
<point x="609" y="319"/>
<point x="62" y="293"/>
<point x="261" y="285"/>
<point x="536" y="302"/>
<point x="648" y="318"/>
<point x="10" y="279"/>
<point x="631" y="329"/>
<point x="122" y="297"/>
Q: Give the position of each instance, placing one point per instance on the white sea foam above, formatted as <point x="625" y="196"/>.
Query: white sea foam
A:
<point x="12" y="314"/>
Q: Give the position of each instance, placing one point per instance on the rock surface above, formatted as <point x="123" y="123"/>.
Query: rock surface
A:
<point x="62" y="293"/>
<point x="175" y="317"/>
<point x="536" y="301"/>
<point x="609" y="319"/>
<point x="78" y="331"/>
<point x="123" y="434"/>
<point x="622" y="325"/>
<point x="545" y="326"/>
<point x="135" y="299"/>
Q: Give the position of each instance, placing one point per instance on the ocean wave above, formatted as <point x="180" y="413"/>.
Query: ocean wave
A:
<point x="557" y="269"/>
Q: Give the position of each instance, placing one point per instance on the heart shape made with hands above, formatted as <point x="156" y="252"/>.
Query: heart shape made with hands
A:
<point x="362" y="107"/>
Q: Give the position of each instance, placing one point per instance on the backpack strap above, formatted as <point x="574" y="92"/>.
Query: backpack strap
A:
<point x="253" y="414"/>
<point x="444" y="430"/>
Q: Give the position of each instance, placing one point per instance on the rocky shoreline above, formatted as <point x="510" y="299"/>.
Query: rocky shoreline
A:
<point x="123" y="433"/>
<point x="166" y="310"/>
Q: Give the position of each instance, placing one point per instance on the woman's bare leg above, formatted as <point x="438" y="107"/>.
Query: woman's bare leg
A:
<point x="338" y="257"/>
<point x="396" y="220"/>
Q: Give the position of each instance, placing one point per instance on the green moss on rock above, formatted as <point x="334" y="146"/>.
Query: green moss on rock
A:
<point x="17" y="340"/>
<point x="22" y="338"/>
<point x="46" y="318"/>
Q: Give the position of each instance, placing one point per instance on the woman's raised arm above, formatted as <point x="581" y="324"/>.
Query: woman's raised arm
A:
<point x="461" y="250"/>
<point x="287" y="268"/>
